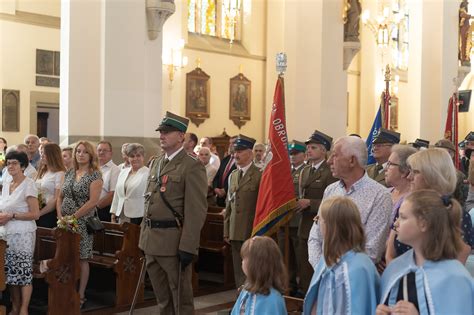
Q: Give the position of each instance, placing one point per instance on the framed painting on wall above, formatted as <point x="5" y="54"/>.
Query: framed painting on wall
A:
<point x="197" y="96"/>
<point x="44" y="62"/>
<point x="240" y="99"/>
<point x="10" y="110"/>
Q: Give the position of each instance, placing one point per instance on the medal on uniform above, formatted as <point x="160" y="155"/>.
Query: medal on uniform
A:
<point x="164" y="180"/>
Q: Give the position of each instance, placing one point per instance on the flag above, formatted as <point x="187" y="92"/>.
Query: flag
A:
<point x="373" y="132"/>
<point x="451" y="129"/>
<point x="276" y="196"/>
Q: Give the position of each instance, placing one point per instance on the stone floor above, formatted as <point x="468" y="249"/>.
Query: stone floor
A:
<point x="212" y="304"/>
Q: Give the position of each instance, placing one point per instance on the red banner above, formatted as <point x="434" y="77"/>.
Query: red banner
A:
<point x="451" y="129"/>
<point x="276" y="196"/>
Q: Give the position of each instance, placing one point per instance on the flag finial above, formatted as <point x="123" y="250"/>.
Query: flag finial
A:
<point x="281" y="63"/>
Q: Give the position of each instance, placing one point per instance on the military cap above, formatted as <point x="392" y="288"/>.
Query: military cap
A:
<point x="320" y="138"/>
<point x="420" y="143"/>
<point x="387" y="136"/>
<point x="296" y="146"/>
<point x="446" y="144"/>
<point x="470" y="136"/>
<point x="173" y="122"/>
<point x="243" y="142"/>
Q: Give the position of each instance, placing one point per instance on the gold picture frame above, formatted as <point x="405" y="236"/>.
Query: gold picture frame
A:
<point x="240" y="100"/>
<point x="197" y="96"/>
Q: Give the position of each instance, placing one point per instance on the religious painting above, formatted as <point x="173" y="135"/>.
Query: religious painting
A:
<point x="57" y="63"/>
<point x="197" y="96"/>
<point x="10" y="110"/>
<point x="44" y="62"/>
<point x="394" y="113"/>
<point x="239" y="99"/>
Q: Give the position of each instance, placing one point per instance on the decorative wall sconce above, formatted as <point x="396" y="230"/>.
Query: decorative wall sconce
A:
<point x="382" y="26"/>
<point x="174" y="60"/>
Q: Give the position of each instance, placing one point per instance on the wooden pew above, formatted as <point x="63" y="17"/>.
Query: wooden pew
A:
<point x="61" y="249"/>
<point x="116" y="248"/>
<point x="293" y="305"/>
<point x="212" y="244"/>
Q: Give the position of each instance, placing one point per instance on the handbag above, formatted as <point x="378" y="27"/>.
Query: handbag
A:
<point x="93" y="223"/>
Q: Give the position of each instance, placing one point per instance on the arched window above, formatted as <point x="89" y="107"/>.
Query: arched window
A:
<point x="219" y="18"/>
<point x="400" y="35"/>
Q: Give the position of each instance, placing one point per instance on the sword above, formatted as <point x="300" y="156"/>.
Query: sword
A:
<point x="179" y="288"/>
<point x="140" y="280"/>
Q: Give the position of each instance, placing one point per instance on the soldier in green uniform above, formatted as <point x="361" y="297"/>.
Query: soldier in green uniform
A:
<point x="314" y="179"/>
<point x="297" y="151"/>
<point x="244" y="183"/>
<point x="175" y="211"/>
<point x="382" y="148"/>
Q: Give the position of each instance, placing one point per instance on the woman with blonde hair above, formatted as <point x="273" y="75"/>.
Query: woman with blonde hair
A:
<point x="428" y="279"/>
<point x="80" y="193"/>
<point x="346" y="280"/>
<point x="434" y="169"/>
<point x="48" y="183"/>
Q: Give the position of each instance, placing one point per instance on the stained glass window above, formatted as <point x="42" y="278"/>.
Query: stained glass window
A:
<point x="400" y="35"/>
<point x="218" y="18"/>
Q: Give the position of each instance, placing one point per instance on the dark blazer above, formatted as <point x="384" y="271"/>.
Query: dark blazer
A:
<point x="312" y="188"/>
<point x="378" y="177"/>
<point x="186" y="191"/>
<point x="240" y="209"/>
<point x="217" y="182"/>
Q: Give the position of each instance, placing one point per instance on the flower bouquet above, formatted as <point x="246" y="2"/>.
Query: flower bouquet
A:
<point x="68" y="223"/>
<point x="41" y="200"/>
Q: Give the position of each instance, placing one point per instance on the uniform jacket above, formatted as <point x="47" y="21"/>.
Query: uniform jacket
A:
<point x="312" y="187"/>
<point x="372" y="172"/>
<point x="132" y="202"/>
<point x="241" y="203"/>
<point x="295" y="174"/>
<point x="186" y="191"/>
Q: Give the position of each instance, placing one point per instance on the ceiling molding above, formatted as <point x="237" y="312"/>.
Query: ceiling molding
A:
<point x="32" y="19"/>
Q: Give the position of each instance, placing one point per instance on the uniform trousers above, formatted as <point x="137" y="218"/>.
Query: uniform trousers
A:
<point x="163" y="273"/>
<point x="293" y="254"/>
<point x="239" y="275"/>
<point x="306" y="270"/>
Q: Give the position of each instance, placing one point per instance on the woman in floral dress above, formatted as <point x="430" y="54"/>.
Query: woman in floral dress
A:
<point x="79" y="195"/>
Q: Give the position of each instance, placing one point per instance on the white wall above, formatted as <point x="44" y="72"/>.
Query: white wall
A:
<point x="18" y="66"/>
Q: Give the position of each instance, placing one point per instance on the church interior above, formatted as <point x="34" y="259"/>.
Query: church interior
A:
<point x="110" y="70"/>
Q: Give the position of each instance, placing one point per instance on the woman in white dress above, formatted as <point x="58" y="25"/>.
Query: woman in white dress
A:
<point x="128" y="204"/>
<point x="48" y="182"/>
<point x="18" y="210"/>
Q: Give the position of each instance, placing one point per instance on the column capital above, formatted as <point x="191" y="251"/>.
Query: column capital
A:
<point x="157" y="12"/>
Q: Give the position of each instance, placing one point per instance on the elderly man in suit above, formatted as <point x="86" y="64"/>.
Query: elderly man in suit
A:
<point x="242" y="200"/>
<point x="175" y="211"/>
<point x="314" y="179"/>
<point x="221" y="180"/>
<point x="382" y="148"/>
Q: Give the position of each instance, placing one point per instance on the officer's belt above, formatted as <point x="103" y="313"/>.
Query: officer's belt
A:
<point x="160" y="224"/>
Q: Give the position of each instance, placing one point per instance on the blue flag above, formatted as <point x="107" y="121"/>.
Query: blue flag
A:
<point x="373" y="132"/>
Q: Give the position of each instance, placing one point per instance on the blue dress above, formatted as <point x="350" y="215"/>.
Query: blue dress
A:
<point x="442" y="287"/>
<point x="349" y="287"/>
<point x="259" y="304"/>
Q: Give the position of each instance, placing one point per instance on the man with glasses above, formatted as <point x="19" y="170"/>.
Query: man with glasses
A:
<point x="110" y="173"/>
<point x="381" y="148"/>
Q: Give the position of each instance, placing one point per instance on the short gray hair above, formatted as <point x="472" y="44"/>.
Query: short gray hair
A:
<point x="31" y="136"/>
<point x="354" y="146"/>
<point x="134" y="148"/>
<point x="403" y="151"/>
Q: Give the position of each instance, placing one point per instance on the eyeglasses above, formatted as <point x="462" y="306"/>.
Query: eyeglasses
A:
<point x="391" y="163"/>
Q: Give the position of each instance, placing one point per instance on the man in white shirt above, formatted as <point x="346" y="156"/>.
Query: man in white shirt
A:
<point x="110" y="173"/>
<point x="204" y="156"/>
<point x="207" y="142"/>
<point x="258" y="153"/>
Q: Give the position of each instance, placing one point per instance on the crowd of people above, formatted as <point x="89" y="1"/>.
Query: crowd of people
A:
<point x="394" y="237"/>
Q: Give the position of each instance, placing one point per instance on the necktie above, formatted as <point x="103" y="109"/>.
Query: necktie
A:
<point x="239" y="176"/>
<point x="163" y="164"/>
<point x="226" y="170"/>
<point x="378" y="168"/>
<point x="312" y="171"/>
